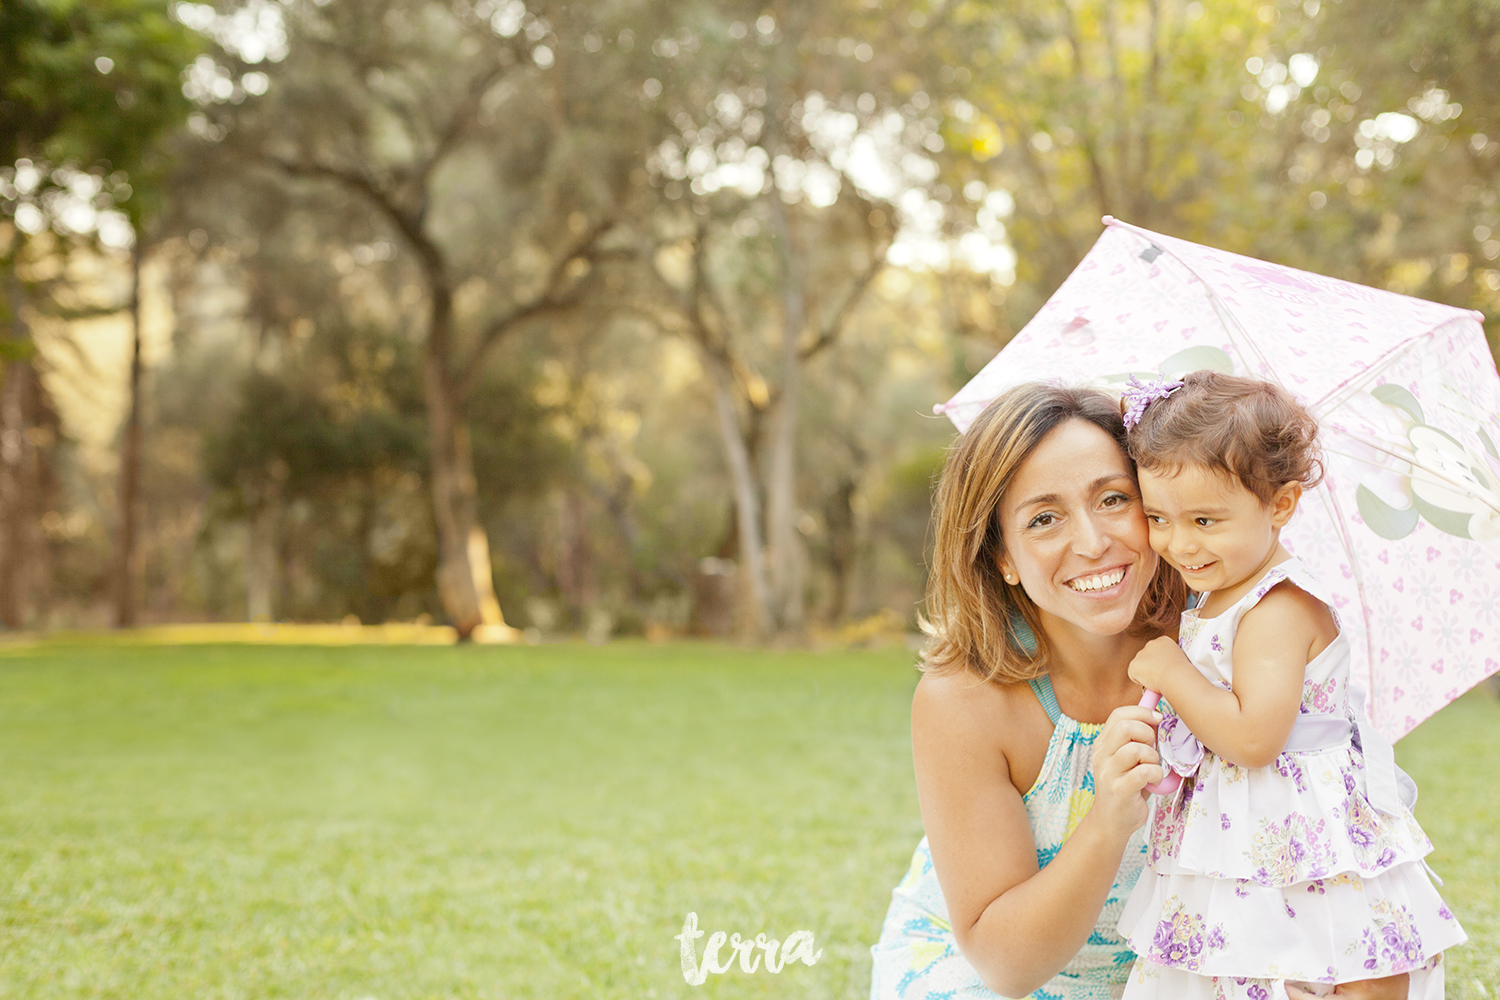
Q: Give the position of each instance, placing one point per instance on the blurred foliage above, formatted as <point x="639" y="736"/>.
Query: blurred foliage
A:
<point x="88" y="92"/>
<point x="612" y="214"/>
<point x="91" y="84"/>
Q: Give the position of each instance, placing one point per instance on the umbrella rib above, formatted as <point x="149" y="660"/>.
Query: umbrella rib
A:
<point x="1341" y="527"/>
<point x="1232" y="325"/>
<point x="1377" y="446"/>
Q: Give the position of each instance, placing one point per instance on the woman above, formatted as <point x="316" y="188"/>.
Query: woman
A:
<point x="1031" y="754"/>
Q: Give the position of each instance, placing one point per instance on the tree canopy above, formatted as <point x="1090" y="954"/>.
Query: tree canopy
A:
<point x="627" y="315"/>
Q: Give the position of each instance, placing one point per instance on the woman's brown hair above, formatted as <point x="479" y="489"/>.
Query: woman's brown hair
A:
<point x="977" y="622"/>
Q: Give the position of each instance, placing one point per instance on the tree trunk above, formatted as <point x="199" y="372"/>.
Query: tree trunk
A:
<point x="577" y="575"/>
<point x="17" y="516"/>
<point x="263" y="553"/>
<point x="841" y="545"/>
<point x="746" y="502"/>
<point x="786" y="553"/>
<point x="781" y="481"/>
<point x="130" y="465"/>
<point x="464" y="578"/>
<point x="17" y="501"/>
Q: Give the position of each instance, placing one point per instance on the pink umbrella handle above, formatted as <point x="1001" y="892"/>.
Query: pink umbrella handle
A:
<point x="1168" y="784"/>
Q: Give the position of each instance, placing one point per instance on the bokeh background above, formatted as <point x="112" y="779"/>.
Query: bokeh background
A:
<point x="625" y="317"/>
<point x="605" y="336"/>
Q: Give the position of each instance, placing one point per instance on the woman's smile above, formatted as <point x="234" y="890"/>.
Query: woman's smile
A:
<point x="1099" y="582"/>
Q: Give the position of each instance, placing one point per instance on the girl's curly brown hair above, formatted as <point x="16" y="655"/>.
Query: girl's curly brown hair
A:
<point x="1245" y="428"/>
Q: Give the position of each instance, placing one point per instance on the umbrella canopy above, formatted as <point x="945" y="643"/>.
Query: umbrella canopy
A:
<point x="1405" y="529"/>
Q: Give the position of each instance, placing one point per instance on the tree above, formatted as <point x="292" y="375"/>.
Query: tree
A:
<point x="772" y="241"/>
<point x="1059" y="113"/>
<point x="1427" y="126"/>
<point x="498" y="151"/>
<point x="338" y="432"/>
<point x="89" y="91"/>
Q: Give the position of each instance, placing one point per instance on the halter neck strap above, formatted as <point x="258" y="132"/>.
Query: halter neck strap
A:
<point x="1042" y="688"/>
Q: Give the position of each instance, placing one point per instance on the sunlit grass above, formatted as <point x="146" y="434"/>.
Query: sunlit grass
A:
<point x="393" y="822"/>
<point x="1455" y="758"/>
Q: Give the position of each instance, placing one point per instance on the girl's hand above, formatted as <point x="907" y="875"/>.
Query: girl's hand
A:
<point x="1389" y="988"/>
<point x="1125" y="762"/>
<point x="1156" y="663"/>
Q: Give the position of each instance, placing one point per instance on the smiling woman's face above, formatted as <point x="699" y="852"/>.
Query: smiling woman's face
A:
<point x="1074" y="533"/>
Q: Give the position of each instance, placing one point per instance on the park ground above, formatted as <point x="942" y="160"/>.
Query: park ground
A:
<point x="391" y="822"/>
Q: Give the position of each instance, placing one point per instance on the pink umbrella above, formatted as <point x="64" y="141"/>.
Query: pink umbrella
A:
<point x="1405" y="530"/>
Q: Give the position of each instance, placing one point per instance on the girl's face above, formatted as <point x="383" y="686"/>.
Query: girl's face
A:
<point x="1212" y="530"/>
<point x="1073" y="532"/>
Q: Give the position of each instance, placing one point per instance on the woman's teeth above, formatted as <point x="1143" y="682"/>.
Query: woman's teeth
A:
<point x="1102" y="581"/>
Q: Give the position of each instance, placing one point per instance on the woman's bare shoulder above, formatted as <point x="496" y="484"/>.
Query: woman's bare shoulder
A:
<point x="964" y="707"/>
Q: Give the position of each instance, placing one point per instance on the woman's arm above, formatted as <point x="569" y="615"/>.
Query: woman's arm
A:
<point x="1248" y="725"/>
<point x="1018" y="926"/>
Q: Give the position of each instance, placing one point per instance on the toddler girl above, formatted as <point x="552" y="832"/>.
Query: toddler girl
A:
<point x="1287" y="855"/>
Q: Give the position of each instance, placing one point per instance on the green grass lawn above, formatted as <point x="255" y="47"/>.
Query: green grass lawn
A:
<point x="235" y="821"/>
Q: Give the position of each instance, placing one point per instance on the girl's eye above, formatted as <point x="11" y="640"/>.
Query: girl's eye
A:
<point x="1204" y="522"/>
<point x="1155" y="519"/>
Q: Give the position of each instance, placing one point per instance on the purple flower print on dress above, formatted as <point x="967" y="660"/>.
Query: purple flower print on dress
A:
<point x="1291" y="851"/>
<point x="1349" y="783"/>
<point x="1402" y="948"/>
<point x="1319" y="697"/>
<point x="1444" y="912"/>
<point x="1171" y="949"/>
<point x="1179" y="939"/>
<point x="1176" y="950"/>
<point x="1164" y="830"/>
<point x="1257" y="993"/>
<point x="1223" y="821"/>
<point x="1399" y="947"/>
<point x="1287" y="767"/>
<point x="1218" y="647"/>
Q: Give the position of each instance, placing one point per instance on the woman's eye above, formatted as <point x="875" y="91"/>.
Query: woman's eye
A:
<point x="1041" y="521"/>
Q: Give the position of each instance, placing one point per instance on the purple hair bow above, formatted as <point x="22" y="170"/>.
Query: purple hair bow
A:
<point x="1142" y="394"/>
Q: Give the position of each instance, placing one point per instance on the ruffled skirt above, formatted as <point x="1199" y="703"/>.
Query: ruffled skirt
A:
<point x="1260" y="876"/>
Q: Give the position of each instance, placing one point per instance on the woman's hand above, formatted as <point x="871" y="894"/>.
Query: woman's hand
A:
<point x="1389" y="988"/>
<point x="1125" y="762"/>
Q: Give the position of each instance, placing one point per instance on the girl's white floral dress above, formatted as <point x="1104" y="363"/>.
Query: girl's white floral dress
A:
<point x="1260" y="876"/>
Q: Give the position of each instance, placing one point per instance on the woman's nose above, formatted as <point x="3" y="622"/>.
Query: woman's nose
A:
<point x="1089" y="538"/>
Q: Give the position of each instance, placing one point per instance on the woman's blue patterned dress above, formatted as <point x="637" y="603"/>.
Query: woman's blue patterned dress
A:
<point x="917" y="957"/>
